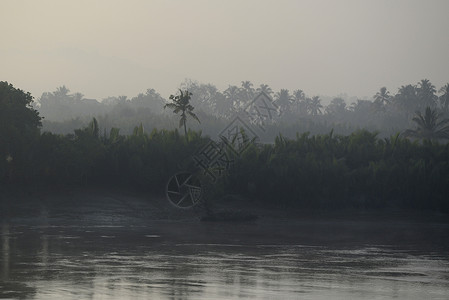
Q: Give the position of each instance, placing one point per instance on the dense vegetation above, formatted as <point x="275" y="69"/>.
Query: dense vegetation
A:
<point x="359" y="170"/>
<point x="356" y="170"/>
<point x="385" y="112"/>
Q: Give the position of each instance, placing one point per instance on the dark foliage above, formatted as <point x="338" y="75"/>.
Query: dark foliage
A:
<point x="356" y="171"/>
<point x="19" y="130"/>
<point x="322" y="171"/>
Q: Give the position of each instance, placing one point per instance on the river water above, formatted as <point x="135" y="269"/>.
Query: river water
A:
<point x="110" y="256"/>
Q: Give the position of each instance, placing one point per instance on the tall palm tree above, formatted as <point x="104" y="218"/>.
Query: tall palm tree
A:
<point x="429" y="126"/>
<point x="298" y="98"/>
<point x="61" y="91"/>
<point x="283" y="99"/>
<point x="444" y="98"/>
<point x="382" y="97"/>
<point x="314" y="105"/>
<point x="407" y="99"/>
<point x="232" y="95"/>
<point x="247" y="90"/>
<point x="426" y="93"/>
<point x="264" y="88"/>
<point x="181" y="105"/>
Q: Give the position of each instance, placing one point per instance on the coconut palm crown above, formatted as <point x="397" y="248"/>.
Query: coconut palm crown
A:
<point x="429" y="126"/>
<point x="181" y="105"/>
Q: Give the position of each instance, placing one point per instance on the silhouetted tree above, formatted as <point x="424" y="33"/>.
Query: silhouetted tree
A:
<point x="382" y="98"/>
<point x="247" y="91"/>
<point x="232" y="95"/>
<point x="407" y="99"/>
<point x="150" y="100"/>
<point x="78" y="97"/>
<point x="314" y="105"/>
<point x="19" y="128"/>
<point x="61" y="91"/>
<point x="62" y="106"/>
<point x="264" y="88"/>
<point x="429" y="126"/>
<point x="444" y="98"/>
<point x="426" y="93"/>
<point x="298" y="98"/>
<point x="181" y="105"/>
<point x="283" y="99"/>
<point x="337" y="106"/>
<point x="207" y="95"/>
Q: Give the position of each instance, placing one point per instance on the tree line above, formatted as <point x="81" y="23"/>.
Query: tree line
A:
<point x="385" y="112"/>
<point x="331" y="170"/>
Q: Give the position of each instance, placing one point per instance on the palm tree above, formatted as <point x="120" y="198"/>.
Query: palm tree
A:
<point x="426" y="93"/>
<point x="314" y="105"/>
<point x="336" y="107"/>
<point x="444" y="98"/>
<point x="232" y="95"/>
<point x="382" y="97"/>
<point x="247" y="91"/>
<point x="429" y="126"/>
<point x="61" y="91"/>
<point x="407" y="99"/>
<point x="181" y="105"/>
<point x="284" y="99"/>
<point x="298" y="98"/>
<point x="78" y="97"/>
<point x="264" y="88"/>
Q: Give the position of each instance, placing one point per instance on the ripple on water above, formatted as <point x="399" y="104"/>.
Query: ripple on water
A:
<point x="41" y="266"/>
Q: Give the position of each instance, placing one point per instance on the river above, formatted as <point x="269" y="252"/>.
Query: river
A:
<point x="60" y="253"/>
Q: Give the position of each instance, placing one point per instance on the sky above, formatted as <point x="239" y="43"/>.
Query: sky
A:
<point x="324" y="47"/>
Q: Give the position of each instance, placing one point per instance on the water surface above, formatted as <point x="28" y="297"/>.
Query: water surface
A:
<point x="111" y="255"/>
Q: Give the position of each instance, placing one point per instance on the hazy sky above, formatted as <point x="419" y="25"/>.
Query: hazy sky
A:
<point x="326" y="47"/>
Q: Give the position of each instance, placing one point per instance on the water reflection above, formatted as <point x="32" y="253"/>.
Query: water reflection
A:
<point x="5" y="251"/>
<point x="43" y="253"/>
<point x="10" y="287"/>
<point x="75" y="262"/>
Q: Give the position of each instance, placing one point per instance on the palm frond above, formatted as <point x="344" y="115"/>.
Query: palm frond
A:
<point x="193" y="116"/>
<point x="170" y="105"/>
